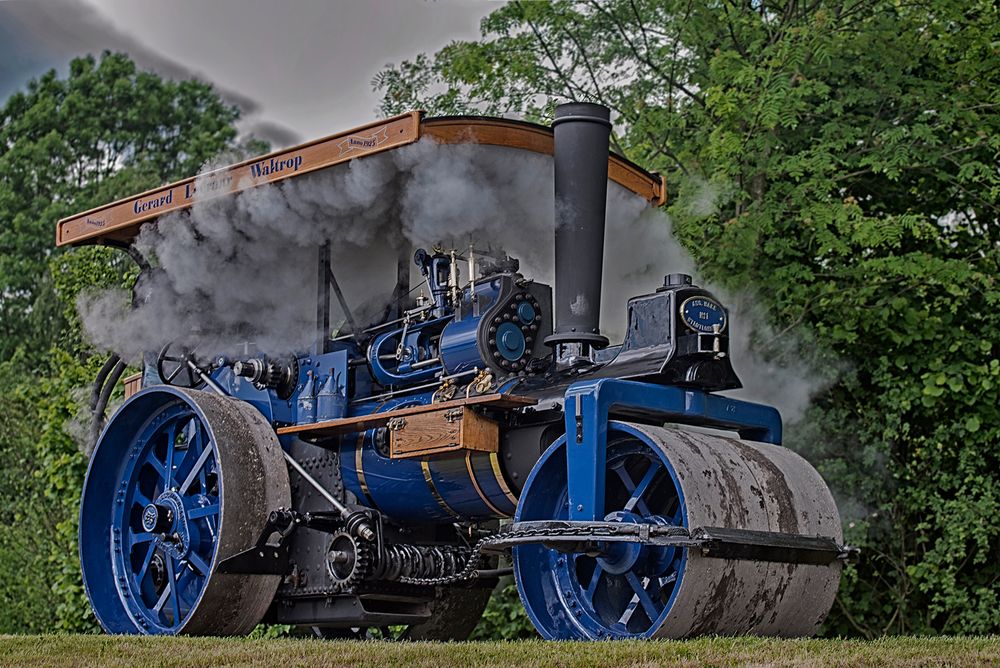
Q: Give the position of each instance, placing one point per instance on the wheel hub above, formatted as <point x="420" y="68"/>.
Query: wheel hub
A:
<point x="168" y="512"/>
<point x="157" y="518"/>
<point x="649" y="560"/>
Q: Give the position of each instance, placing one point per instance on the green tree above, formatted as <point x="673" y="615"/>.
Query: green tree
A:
<point x="842" y="157"/>
<point x="26" y="600"/>
<point x="68" y="144"/>
<point x="104" y="131"/>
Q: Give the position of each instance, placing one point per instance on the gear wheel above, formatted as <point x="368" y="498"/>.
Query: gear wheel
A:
<point x="348" y="561"/>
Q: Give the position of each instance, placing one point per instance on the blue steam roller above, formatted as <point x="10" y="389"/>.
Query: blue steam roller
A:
<point x="387" y="476"/>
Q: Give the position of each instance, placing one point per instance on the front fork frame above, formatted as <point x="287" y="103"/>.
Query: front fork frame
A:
<point x="590" y="404"/>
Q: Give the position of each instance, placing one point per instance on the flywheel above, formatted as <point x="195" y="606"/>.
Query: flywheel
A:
<point x="180" y="480"/>
<point x="669" y="477"/>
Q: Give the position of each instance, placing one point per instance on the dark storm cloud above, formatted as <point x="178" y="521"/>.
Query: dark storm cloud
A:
<point x="297" y="68"/>
<point x="36" y="36"/>
<point x="276" y="134"/>
<point x="309" y="63"/>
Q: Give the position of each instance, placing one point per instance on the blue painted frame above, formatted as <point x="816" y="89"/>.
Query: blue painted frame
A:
<point x="589" y="405"/>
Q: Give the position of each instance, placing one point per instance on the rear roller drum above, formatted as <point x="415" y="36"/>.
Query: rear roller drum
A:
<point x="671" y="477"/>
<point x="180" y="480"/>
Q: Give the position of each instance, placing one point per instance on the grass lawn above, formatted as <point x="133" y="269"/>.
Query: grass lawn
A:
<point x="93" y="650"/>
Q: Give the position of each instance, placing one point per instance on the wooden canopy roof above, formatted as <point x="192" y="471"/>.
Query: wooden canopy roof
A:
<point x="119" y="222"/>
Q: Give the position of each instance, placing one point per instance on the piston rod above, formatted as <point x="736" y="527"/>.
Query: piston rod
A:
<point x="363" y="530"/>
<point x="205" y="378"/>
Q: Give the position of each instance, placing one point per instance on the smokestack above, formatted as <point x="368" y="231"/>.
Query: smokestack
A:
<point x="582" y="133"/>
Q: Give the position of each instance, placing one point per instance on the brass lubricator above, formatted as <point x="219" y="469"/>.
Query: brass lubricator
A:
<point x="446" y="392"/>
<point x="482" y="383"/>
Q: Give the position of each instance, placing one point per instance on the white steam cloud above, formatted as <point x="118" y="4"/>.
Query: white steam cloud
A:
<point x="243" y="268"/>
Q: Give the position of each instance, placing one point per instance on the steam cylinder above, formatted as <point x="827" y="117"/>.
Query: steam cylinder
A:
<point x="582" y="132"/>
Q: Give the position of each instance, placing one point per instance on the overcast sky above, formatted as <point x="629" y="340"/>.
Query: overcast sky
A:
<point x="299" y="68"/>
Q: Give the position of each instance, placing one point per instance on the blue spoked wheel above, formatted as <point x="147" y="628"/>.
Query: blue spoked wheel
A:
<point x="627" y="590"/>
<point x="179" y="481"/>
<point x="673" y="477"/>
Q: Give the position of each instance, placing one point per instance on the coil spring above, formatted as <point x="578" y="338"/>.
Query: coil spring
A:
<point x="401" y="561"/>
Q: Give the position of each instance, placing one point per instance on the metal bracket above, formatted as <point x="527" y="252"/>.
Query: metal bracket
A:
<point x="596" y="401"/>
<point x="714" y="542"/>
<point x="711" y="343"/>
<point x="265" y="558"/>
<point x="453" y="415"/>
<point x="396" y="424"/>
<point x="771" y="546"/>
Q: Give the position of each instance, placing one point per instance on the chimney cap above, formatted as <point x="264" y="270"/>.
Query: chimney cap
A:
<point x="675" y="280"/>
<point x="582" y="111"/>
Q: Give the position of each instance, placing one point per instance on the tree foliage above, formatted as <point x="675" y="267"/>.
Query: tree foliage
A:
<point x="24" y="605"/>
<point x="104" y="131"/>
<point x="841" y="157"/>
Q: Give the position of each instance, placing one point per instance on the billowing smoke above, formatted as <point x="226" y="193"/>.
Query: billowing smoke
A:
<point x="783" y="368"/>
<point x="242" y="269"/>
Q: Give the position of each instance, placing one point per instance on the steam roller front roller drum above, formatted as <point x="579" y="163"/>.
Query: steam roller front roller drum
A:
<point x="665" y="476"/>
<point x="180" y="480"/>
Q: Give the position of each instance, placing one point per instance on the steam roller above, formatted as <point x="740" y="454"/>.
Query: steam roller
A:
<point x="382" y="482"/>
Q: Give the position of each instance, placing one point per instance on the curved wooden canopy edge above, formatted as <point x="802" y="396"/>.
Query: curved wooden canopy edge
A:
<point x="119" y="222"/>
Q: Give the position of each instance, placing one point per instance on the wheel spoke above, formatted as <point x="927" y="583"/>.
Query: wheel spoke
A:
<point x="194" y="435"/>
<point x="156" y="464"/>
<point x="194" y="448"/>
<point x="643" y="596"/>
<point x="142" y="537"/>
<point x="212" y="521"/>
<point x="164" y="595"/>
<point x="677" y="515"/>
<point x="594" y="580"/>
<point x="146" y="561"/>
<point x="203" y="511"/>
<point x="186" y="594"/>
<point x="199" y="564"/>
<point x="169" y="459"/>
<point x="203" y="479"/>
<point x="630" y="487"/>
<point x="628" y="612"/>
<point x="639" y="490"/>
<point x="199" y="463"/>
<point x="173" y="374"/>
<point x="174" y="600"/>
<point x="139" y="498"/>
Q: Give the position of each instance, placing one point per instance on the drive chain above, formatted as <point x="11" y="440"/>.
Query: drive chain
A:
<point x="541" y="534"/>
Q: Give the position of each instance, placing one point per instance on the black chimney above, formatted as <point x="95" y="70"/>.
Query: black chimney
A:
<point x="582" y="134"/>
